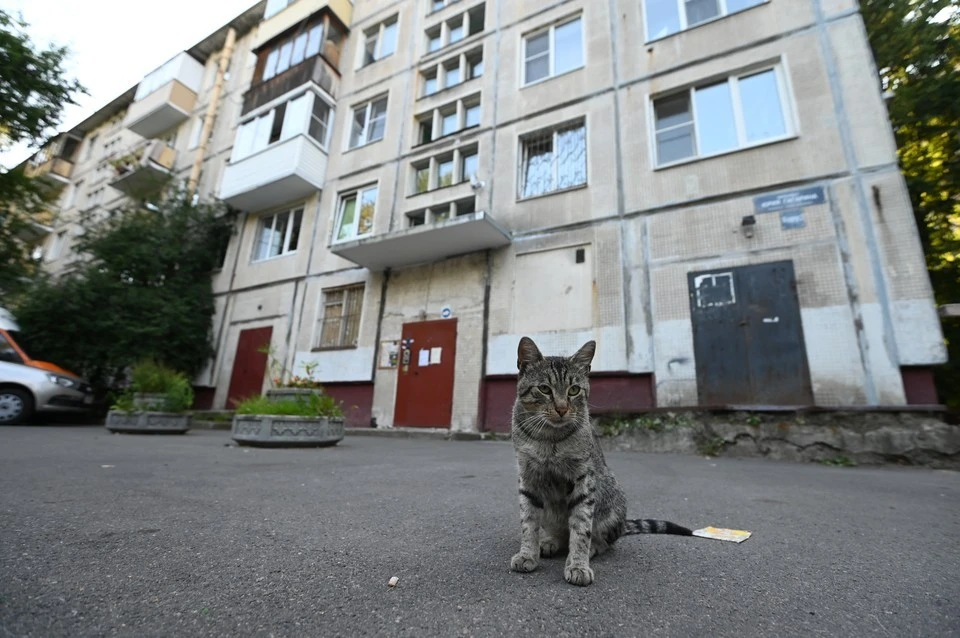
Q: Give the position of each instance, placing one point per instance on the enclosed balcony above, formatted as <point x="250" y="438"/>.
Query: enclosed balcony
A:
<point x="309" y="53"/>
<point x="145" y="168"/>
<point x="166" y="97"/>
<point x="279" y="154"/>
<point x="425" y="241"/>
<point x="282" y="15"/>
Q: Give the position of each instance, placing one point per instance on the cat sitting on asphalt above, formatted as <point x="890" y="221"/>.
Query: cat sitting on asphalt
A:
<point x="569" y="498"/>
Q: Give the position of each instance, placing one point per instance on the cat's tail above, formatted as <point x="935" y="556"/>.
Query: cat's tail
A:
<point x="653" y="526"/>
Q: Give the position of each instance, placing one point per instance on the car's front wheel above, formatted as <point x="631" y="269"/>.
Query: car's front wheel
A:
<point x="16" y="406"/>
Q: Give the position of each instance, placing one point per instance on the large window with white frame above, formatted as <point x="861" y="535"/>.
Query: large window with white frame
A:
<point x="340" y="320"/>
<point x="355" y="214"/>
<point x="379" y="41"/>
<point x="737" y="112"/>
<point x="666" y="17"/>
<point x="277" y="234"/>
<point x="553" y="51"/>
<point x="369" y="122"/>
<point x="306" y="113"/>
<point x="553" y="160"/>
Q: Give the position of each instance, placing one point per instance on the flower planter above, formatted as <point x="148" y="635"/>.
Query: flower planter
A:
<point x="148" y="422"/>
<point x="149" y="401"/>
<point x="283" y="394"/>
<point x="287" y="431"/>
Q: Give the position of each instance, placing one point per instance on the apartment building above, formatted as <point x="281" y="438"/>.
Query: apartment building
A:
<point x="707" y="188"/>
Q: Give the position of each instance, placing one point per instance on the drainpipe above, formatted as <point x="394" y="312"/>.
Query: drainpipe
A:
<point x="225" y="54"/>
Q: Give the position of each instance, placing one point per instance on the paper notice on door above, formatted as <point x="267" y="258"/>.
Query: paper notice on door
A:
<point x="435" y="356"/>
<point x="424" y="358"/>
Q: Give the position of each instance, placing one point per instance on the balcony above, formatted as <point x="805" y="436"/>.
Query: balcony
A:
<point x="54" y="171"/>
<point x="283" y="172"/>
<point x="315" y="70"/>
<point x="424" y="244"/>
<point x="166" y="97"/>
<point x="146" y="168"/>
<point x="282" y="15"/>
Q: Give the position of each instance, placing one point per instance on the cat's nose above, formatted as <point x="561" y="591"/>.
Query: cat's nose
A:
<point x="562" y="409"/>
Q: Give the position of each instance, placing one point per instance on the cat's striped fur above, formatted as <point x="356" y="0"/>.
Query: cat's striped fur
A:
<point x="569" y="498"/>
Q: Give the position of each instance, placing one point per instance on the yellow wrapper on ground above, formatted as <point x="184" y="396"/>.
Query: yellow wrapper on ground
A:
<point x="719" y="533"/>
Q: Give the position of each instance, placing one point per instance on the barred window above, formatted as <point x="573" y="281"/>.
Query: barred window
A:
<point x="340" y="324"/>
<point x="553" y="160"/>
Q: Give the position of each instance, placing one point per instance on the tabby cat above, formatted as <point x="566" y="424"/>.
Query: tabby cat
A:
<point x="569" y="498"/>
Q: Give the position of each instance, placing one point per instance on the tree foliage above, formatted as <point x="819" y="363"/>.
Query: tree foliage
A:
<point x="140" y="289"/>
<point x="34" y="90"/>
<point x="916" y="44"/>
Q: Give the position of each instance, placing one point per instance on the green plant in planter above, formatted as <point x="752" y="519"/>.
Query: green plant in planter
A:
<point x="150" y="377"/>
<point x="312" y="405"/>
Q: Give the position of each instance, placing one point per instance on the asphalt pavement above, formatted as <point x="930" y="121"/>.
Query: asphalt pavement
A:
<point x="133" y="535"/>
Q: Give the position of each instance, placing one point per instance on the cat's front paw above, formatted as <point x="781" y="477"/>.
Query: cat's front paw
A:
<point x="523" y="563"/>
<point x="581" y="576"/>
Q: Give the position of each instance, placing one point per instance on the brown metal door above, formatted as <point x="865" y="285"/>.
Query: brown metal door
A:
<point x="425" y="381"/>
<point x="249" y="365"/>
<point x="748" y="336"/>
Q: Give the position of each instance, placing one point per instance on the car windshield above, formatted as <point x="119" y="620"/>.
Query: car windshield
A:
<point x="7" y="352"/>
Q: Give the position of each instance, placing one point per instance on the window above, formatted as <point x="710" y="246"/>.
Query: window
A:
<point x="355" y="217"/>
<point x="72" y="195"/>
<point x="452" y="71"/>
<point x="91" y="145"/>
<point x="379" y="41"/>
<point x="276" y="6"/>
<point x="445" y="169"/>
<point x="436" y="5"/>
<point x="58" y="241"/>
<point x="281" y="123"/>
<point x="456" y="28"/>
<point x="449" y="119"/>
<point x="666" y="17"/>
<point x="715" y="118"/>
<point x="8" y="353"/>
<point x="442" y="212"/>
<point x="289" y="53"/>
<point x="278" y="235"/>
<point x="369" y="122"/>
<point x="552" y="52"/>
<point x="553" y="160"/>
<point x="340" y="325"/>
<point x="195" y="133"/>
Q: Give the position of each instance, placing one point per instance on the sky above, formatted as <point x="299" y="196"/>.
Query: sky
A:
<point x="115" y="43"/>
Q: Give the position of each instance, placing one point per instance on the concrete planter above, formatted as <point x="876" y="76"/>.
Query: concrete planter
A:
<point x="287" y="431"/>
<point x="149" y="401"/>
<point x="281" y="394"/>
<point x="148" y="422"/>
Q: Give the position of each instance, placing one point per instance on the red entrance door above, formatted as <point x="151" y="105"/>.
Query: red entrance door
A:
<point x="249" y="366"/>
<point x="425" y="382"/>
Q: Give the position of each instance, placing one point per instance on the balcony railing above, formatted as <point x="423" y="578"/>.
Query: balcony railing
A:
<point x="144" y="168"/>
<point x="56" y="171"/>
<point x="316" y="70"/>
<point x="283" y="172"/>
<point x="426" y="243"/>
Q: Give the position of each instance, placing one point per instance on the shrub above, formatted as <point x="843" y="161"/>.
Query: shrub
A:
<point x="315" y="405"/>
<point x="150" y="377"/>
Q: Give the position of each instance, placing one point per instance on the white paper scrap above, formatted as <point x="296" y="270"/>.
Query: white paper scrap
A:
<point x="435" y="356"/>
<point x="424" y="358"/>
<point x="719" y="533"/>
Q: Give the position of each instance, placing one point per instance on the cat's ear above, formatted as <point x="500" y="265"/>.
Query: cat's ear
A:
<point x="584" y="356"/>
<point x="527" y="353"/>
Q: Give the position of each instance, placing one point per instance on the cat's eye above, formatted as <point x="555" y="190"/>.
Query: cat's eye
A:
<point x="545" y="389"/>
<point x="574" y="390"/>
